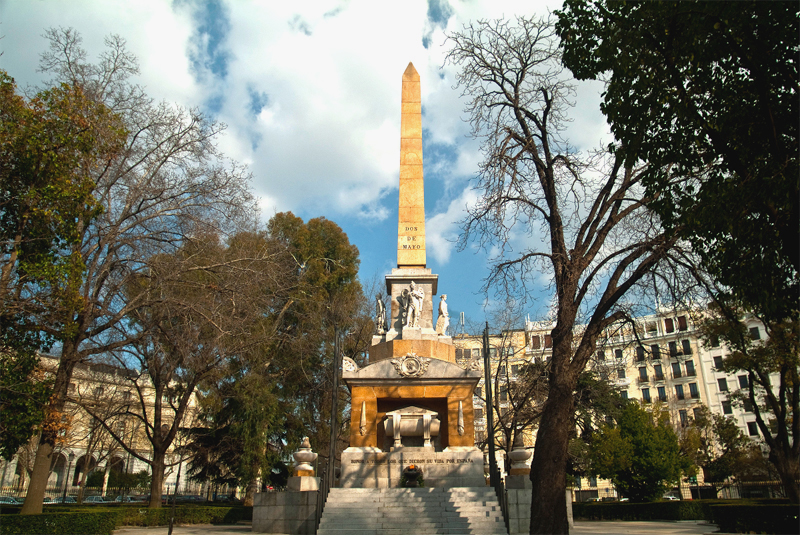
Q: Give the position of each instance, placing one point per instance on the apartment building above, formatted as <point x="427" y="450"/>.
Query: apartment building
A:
<point x="84" y="444"/>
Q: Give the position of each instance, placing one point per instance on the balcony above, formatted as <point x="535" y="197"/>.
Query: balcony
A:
<point x="659" y="377"/>
<point x="695" y="395"/>
<point x="691" y="373"/>
<point x="680" y="397"/>
<point x="644" y="380"/>
<point x="662" y="398"/>
<point x="677" y="375"/>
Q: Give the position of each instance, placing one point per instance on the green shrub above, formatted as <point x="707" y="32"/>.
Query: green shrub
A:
<point x="674" y="510"/>
<point x="756" y="518"/>
<point x="192" y="514"/>
<point x="84" y="523"/>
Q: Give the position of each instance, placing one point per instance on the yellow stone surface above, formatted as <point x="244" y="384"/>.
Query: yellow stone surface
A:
<point x="423" y="348"/>
<point x="411" y="221"/>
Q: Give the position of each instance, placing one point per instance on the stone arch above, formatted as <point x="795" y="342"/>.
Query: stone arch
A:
<point x="80" y="467"/>
<point x="58" y="470"/>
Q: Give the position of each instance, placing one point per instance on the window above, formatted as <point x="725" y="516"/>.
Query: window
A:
<point x="679" y="391"/>
<point x="670" y="325"/>
<point x="662" y="393"/>
<point x="548" y="341"/>
<point x="515" y="369"/>
<point x="624" y="394"/>
<point x="723" y="384"/>
<point x="503" y="394"/>
<point x="592" y="481"/>
<point x="618" y="354"/>
<point x="673" y="349"/>
<point x="696" y="412"/>
<point x="501" y="370"/>
<point x="476" y="353"/>
<point x="682" y="323"/>
<point x="687" y="347"/>
<point x="536" y="342"/>
<point x="690" y="368"/>
<point x="478" y="391"/>
<point x="652" y="328"/>
<point x="754" y="333"/>
<point x="684" y="417"/>
<point x="676" y="371"/>
<point x="478" y="414"/>
<point x="743" y="382"/>
<point x="642" y="375"/>
<point x="458" y="354"/>
<point x="656" y="351"/>
<point x="493" y="352"/>
<point x="601" y="355"/>
<point x="718" y="363"/>
<point x="693" y="391"/>
<point x="646" y="395"/>
<point x="126" y="395"/>
<point x="659" y="373"/>
<point x="639" y="354"/>
<point x="752" y="429"/>
<point x="714" y="341"/>
<point x="727" y="408"/>
<point x="747" y="405"/>
<point x="621" y="373"/>
<point x="98" y="391"/>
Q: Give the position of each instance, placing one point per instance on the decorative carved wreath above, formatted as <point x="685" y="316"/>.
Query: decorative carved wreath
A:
<point x="411" y="365"/>
<point x="349" y="365"/>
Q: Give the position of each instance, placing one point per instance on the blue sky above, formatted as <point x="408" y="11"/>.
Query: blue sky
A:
<point x="310" y="91"/>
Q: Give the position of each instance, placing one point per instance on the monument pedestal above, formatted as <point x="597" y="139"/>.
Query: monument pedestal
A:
<point x="369" y="469"/>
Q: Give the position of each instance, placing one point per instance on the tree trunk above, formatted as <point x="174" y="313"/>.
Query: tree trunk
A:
<point x="157" y="481"/>
<point x="44" y="453"/>
<point x="548" y="469"/>
<point x="788" y="468"/>
<point x="252" y="488"/>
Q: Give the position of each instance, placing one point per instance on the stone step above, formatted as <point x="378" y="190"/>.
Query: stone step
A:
<point x="425" y="511"/>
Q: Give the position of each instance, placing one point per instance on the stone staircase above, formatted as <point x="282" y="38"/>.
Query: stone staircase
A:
<point x="404" y="511"/>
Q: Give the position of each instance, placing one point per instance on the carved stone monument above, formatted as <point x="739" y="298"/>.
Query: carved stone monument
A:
<point x="412" y="404"/>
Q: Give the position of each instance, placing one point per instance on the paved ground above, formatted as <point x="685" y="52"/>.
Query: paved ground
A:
<point x="581" y="528"/>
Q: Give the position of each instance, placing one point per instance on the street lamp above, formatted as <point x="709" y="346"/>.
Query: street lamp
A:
<point x="66" y="477"/>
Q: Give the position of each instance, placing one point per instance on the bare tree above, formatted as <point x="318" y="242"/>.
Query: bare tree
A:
<point x="582" y="219"/>
<point x="167" y="183"/>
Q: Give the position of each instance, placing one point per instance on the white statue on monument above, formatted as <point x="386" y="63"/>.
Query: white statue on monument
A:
<point x="444" y="318"/>
<point x="380" y="315"/>
<point x="411" y="300"/>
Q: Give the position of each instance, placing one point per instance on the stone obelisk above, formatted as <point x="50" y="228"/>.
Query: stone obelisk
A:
<point x="411" y="227"/>
<point x="411" y="404"/>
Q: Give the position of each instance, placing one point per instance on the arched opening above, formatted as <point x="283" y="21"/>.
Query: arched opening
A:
<point x="82" y="466"/>
<point x="58" y="471"/>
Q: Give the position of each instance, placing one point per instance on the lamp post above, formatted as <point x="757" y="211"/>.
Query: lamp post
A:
<point x="330" y="469"/>
<point x="494" y="478"/>
<point x="66" y="477"/>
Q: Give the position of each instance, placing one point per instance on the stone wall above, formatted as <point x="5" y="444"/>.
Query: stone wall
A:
<point x="285" y="512"/>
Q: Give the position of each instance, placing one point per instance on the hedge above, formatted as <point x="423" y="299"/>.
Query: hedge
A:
<point x="672" y="510"/>
<point x="95" y="523"/>
<point x="99" y="520"/>
<point x="757" y="518"/>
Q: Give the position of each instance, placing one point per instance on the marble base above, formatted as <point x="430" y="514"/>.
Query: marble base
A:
<point x="303" y="483"/>
<point x="369" y="469"/>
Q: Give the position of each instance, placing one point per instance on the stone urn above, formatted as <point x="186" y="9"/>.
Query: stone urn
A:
<point x="518" y="458"/>
<point x="304" y="457"/>
<point x="412" y="476"/>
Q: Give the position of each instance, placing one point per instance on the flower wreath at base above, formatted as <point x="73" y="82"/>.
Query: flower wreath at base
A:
<point x="411" y="474"/>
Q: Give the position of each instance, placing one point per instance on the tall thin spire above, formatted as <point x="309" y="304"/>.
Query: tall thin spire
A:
<point x="411" y="225"/>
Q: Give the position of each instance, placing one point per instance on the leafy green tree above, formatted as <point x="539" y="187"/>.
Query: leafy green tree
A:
<point x="51" y="144"/>
<point x="714" y="443"/>
<point x="708" y="93"/>
<point x="772" y="392"/>
<point x="328" y="299"/>
<point x="640" y="455"/>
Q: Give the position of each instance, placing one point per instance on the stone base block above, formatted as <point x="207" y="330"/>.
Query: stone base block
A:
<point x="519" y="481"/>
<point x="519" y="509"/>
<point x="363" y="469"/>
<point x="285" y="512"/>
<point x="303" y="483"/>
